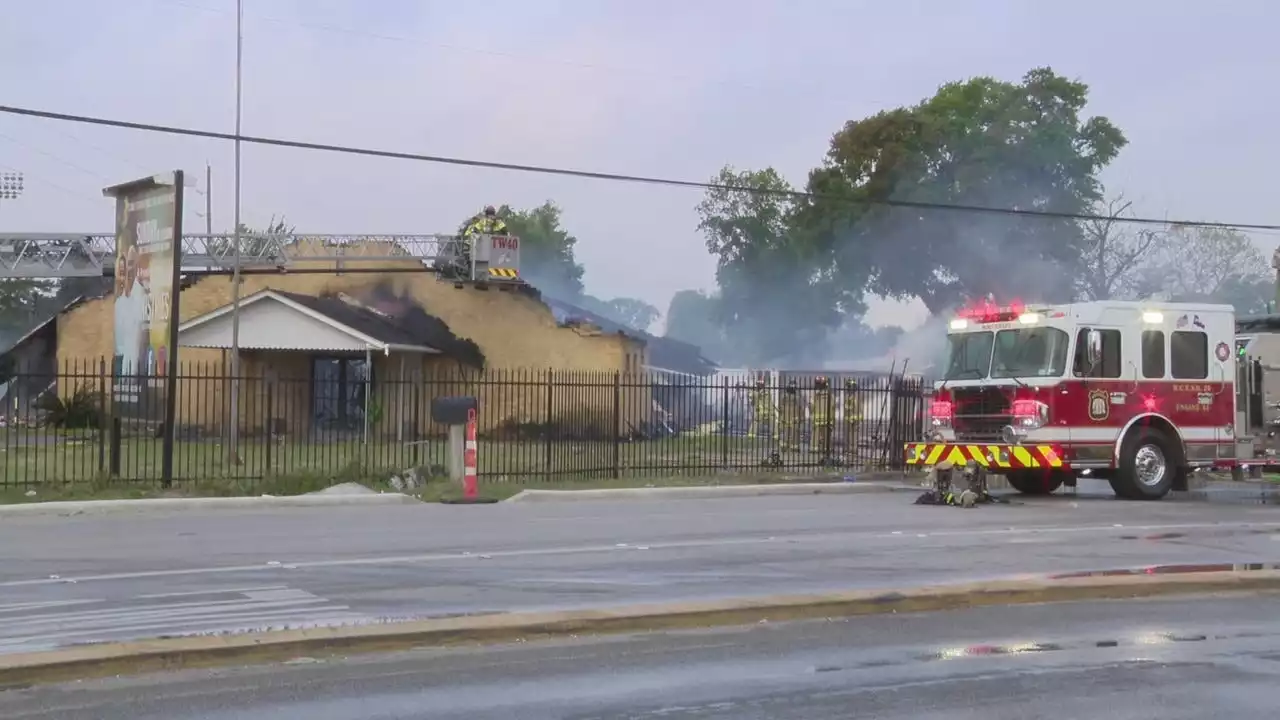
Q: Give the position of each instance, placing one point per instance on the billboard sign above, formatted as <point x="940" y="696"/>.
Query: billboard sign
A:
<point x="146" y="282"/>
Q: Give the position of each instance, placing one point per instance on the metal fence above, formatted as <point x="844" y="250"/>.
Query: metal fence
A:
<point x="338" y="421"/>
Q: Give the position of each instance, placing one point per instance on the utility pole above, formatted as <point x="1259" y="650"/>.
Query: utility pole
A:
<point x="208" y="199"/>
<point x="235" y="251"/>
<point x="1275" y="264"/>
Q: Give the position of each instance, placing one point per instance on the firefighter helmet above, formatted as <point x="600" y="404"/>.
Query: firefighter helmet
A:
<point x="760" y="382"/>
<point x="821" y="382"/>
<point x="489" y="211"/>
<point x="792" y="386"/>
<point x="851" y="384"/>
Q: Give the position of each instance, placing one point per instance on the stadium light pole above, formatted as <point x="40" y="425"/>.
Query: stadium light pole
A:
<point x="235" y="250"/>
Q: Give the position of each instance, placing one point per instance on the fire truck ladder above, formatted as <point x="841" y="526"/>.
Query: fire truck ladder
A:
<point x="68" y="255"/>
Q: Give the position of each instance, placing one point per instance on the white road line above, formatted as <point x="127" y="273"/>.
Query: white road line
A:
<point x="195" y="626"/>
<point x="128" y="612"/>
<point x="254" y="608"/>
<point x="1111" y="529"/>
<point x="190" y="593"/>
<point x="18" y="607"/>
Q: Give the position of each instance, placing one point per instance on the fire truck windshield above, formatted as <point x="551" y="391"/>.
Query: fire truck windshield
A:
<point x="1030" y="352"/>
<point x="968" y="355"/>
<point x="1012" y="353"/>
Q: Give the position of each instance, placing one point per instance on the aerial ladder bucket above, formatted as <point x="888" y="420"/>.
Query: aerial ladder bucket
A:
<point x="495" y="262"/>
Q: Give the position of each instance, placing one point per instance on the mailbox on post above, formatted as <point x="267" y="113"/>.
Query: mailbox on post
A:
<point x="459" y="413"/>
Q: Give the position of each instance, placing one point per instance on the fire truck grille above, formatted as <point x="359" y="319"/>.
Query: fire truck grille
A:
<point x="980" y="414"/>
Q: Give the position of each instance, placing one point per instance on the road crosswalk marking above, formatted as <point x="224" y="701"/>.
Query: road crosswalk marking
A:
<point x="46" y="625"/>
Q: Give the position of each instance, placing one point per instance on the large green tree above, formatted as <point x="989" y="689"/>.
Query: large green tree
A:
<point x="776" y="299"/>
<point x="982" y="142"/>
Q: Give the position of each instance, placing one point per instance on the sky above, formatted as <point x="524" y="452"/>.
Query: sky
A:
<point x="662" y="88"/>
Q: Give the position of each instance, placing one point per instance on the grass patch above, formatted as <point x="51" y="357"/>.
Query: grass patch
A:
<point x="430" y="489"/>
<point x="83" y="457"/>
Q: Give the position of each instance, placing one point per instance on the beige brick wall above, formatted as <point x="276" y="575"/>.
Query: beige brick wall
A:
<point x="517" y="334"/>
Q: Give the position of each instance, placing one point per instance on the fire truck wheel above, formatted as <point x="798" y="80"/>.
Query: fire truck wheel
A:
<point x="1147" y="467"/>
<point x="1035" y="482"/>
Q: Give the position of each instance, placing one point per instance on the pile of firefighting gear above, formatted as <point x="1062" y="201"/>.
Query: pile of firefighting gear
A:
<point x="970" y="491"/>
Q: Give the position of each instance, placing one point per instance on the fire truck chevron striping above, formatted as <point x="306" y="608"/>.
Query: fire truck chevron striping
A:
<point x="997" y="457"/>
<point x="1138" y="394"/>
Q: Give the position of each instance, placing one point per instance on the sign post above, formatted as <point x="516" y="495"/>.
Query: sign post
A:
<point x="147" y="275"/>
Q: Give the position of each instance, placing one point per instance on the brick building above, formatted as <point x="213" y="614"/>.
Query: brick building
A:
<point x="402" y="335"/>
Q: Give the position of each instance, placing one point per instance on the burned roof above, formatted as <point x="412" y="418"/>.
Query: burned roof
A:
<point x="408" y="325"/>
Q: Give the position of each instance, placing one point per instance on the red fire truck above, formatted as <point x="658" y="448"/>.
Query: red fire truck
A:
<point x="1135" y="393"/>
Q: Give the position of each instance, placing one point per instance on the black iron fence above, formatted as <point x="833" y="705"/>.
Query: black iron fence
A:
<point x="339" y="420"/>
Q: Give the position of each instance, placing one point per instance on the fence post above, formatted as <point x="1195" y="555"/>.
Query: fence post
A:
<point x="415" y="429"/>
<point x="546" y="428"/>
<point x="103" y="425"/>
<point x="271" y="429"/>
<point x="115" y="446"/>
<point x="617" y="424"/>
<point x="724" y="423"/>
<point x="894" y="451"/>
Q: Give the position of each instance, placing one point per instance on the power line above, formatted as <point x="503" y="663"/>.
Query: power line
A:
<point x="613" y="177"/>
<point x="55" y="157"/>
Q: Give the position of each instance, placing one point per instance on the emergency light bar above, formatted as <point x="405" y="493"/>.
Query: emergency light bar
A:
<point x="987" y="311"/>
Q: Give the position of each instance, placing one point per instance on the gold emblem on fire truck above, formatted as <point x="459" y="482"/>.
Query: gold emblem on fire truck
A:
<point x="1099" y="405"/>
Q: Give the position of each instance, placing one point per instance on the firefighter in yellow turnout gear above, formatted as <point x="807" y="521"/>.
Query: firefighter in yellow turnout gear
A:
<point x="821" y="413"/>
<point x="763" y="410"/>
<point x="791" y="416"/>
<point x="486" y="223"/>
<point x="852" y="419"/>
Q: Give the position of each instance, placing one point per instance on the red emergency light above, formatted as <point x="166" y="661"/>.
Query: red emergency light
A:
<point x="987" y="311"/>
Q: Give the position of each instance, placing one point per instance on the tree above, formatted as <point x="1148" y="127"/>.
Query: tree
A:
<point x="1113" y="252"/>
<point x="693" y="317"/>
<point x="546" y="249"/>
<point x="1208" y="264"/>
<point x="775" y="299"/>
<point x="982" y="142"/>
<point x="631" y="312"/>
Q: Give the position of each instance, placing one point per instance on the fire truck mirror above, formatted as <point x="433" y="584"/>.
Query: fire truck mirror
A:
<point x="1093" y="348"/>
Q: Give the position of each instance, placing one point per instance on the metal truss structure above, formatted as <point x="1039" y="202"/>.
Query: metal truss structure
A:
<point x="65" y="255"/>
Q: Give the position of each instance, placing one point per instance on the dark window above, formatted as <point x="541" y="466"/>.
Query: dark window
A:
<point x="1152" y="354"/>
<point x="1110" y="365"/>
<point x="1189" y="355"/>
<point x="338" y="386"/>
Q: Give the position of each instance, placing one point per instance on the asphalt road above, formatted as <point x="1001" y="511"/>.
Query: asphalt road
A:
<point x="1133" y="660"/>
<point x="68" y="580"/>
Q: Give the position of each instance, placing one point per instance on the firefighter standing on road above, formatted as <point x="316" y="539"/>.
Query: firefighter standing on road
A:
<point x="791" y="412"/>
<point x="763" y="410"/>
<point x="820" y="413"/>
<point x="852" y="418"/>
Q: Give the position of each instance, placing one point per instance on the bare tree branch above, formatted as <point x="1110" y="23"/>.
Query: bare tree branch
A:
<point x="1114" y="252"/>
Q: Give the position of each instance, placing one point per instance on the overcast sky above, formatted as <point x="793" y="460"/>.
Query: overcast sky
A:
<point x="658" y="87"/>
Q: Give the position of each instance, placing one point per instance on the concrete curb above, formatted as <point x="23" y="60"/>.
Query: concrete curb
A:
<point x="97" y="507"/>
<point x="112" y="659"/>
<point x="696" y="492"/>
